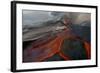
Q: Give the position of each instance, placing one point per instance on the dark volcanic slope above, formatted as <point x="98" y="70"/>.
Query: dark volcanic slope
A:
<point x="82" y="31"/>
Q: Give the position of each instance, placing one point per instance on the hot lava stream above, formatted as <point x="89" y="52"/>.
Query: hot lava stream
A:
<point x="42" y="50"/>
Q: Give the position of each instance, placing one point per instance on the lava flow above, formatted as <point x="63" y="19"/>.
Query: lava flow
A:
<point x="41" y="51"/>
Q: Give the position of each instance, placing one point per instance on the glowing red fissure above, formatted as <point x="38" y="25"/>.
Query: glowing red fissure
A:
<point x="54" y="47"/>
